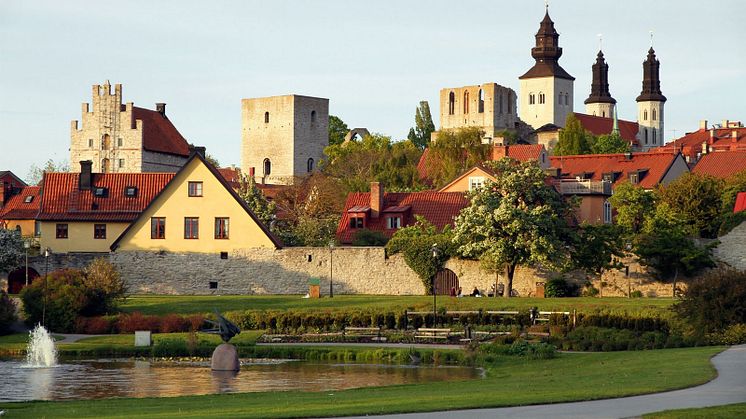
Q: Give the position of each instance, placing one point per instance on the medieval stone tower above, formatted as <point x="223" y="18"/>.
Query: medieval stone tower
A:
<point x="283" y="137"/>
<point x="125" y="138"/>
<point x="650" y="104"/>
<point x="546" y="89"/>
<point x="488" y="106"/>
<point x="600" y="103"/>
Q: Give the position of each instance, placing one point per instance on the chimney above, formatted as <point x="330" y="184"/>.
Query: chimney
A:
<point x="705" y="148"/>
<point x="85" y="180"/>
<point x="2" y="194"/>
<point x="376" y="199"/>
<point x="198" y="150"/>
<point x="725" y="123"/>
<point x="734" y="136"/>
<point x="161" y="108"/>
<point x="499" y="151"/>
<point x="628" y="155"/>
<point x="703" y="124"/>
<point x="252" y="172"/>
<point x="712" y="136"/>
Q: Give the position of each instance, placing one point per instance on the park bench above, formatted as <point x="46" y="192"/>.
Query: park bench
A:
<point x="432" y="333"/>
<point x="371" y="332"/>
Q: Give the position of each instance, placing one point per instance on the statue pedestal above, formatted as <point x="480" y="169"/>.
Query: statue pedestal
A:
<point x="225" y="358"/>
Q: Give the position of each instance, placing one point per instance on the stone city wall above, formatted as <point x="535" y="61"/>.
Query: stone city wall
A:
<point x="732" y="248"/>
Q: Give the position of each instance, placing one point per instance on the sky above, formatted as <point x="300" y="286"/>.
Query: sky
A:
<point x="373" y="60"/>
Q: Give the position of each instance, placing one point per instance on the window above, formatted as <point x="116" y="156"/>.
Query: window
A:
<point x="191" y="227"/>
<point x="309" y="166"/>
<point x="654" y="135"/>
<point x="223" y="255"/>
<point x="607" y="212"/>
<point x="481" y="101"/>
<point x="213" y="285"/>
<point x="119" y="142"/>
<point x="105" y="166"/>
<point x="654" y="116"/>
<point x="309" y="258"/>
<point x="266" y="117"/>
<point x="90" y="143"/>
<point x="99" y="231"/>
<point x="195" y="188"/>
<point x="121" y="163"/>
<point x="531" y="99"/>
<point x="451" y="103"/>
<point x="541" y="98"/>
<point x="37" y="228"/>
<point x="634" y="178"/>
<point x="313" y="117"/>
<point x="267" y="167"/>
<point x="130" y="191"/>
<point x="61" y="231"/>
<point x="356" y="222"/>
<point x="476" y="182"/>
<point x="645" y="115"/>
<point x="105" y="142"/>
<point x="500" y="103"/>
<point x="158" y="228"/>
<point x="392" y="223"/>
<point x="607" y="177"/>
<point x="646" y="135"/>
<point x="466" y="102"/>
<point x="221" y="227"/>
<point x="100" y="192"/>
<point x="28" y="199"/>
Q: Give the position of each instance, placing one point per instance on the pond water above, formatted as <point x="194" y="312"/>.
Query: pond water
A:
<point x="102" y="378"/>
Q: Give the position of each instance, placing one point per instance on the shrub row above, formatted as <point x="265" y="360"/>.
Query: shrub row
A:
<point x="591" y="338"/>
<point x="636" y="324"/>
<point x="131" y="322"/>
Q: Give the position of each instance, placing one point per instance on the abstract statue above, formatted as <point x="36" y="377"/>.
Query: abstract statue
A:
<point x="225" y="356"/>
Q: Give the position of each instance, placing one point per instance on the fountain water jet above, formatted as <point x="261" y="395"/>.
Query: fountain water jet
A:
<point x="40" y="351"/>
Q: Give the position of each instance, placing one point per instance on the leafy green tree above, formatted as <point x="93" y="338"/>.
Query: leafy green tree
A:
<point x="516" y="220"/>
<point x="733" y="185"/>
<point x="573" y="138"/>
<point x="337" y="130"/>
<point x="423" y="126"/>
<point x="454" y="152"/>
<point x="697" y="201"/>
<point x="36" y="173"/>
<point x="632" y="204"/>
<point x="714" y="301"/>
<point x="11" y="250"/>
<point x="598" y="248"/>
<point x="609" y="144"/>
<point x="105" y="287"/>
<point x="212" y="159"/>
<point x="254" y="198"/>
<point x="415" y="242"/>
<point x="7" y="313"/>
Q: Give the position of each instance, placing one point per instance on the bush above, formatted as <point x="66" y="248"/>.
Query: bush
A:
<point x="733" y="335"/>
<point x="714" y="302"/>
<point x="635" y="294"/>
<point x="105" y="287"/>
<point x="95" y="325"/>
<point x="129" y="323"/>
<point x="7" y="313"/>
<point x="591" y="338"/>
<point x="367" y="237"/>
<point x="559" y="287"/>
<point x="57" y="299"/>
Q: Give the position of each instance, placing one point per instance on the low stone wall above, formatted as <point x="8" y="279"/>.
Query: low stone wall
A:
<point x="732" y="248"/>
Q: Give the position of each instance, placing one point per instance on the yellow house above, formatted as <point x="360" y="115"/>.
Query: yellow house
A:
<point x="197" y="212"/>
<point x="85" y="212"/>
<point x="469" y="180"/>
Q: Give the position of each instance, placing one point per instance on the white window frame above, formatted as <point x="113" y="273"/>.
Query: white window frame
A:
<point x="475" y="182"/>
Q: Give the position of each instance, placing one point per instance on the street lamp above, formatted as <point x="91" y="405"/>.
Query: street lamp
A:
<point x="47" y="252"/>
<point x="26" y="245"/>
<point x="628" y="247"/>
<point x="331" y="268"/>
<point x="436" y="253"/>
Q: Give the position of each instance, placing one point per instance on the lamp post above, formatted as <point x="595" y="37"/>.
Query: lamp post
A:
<point x="26" y="245"/>
<point x="628" y="247"/>
<point x="47" y="252"/>
<point x="331" y="268"/>
<point x="436" y="253"/>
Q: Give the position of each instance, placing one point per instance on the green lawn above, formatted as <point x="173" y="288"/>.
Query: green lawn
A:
<point x="165" y="304"/>
<point x="510" y="381"/>
<point x="728" y="411"/>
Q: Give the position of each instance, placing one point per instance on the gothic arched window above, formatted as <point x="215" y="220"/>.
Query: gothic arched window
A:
<point x="646" y="135"/>
<point x="654" y="136"/>
<point x="309" y="166"/>
<point x="654" y="116"/>
<point x="266" y="117"/>
<point x="267" y="167"/>
<point x="466" y="102"/>
<point x="645" y="115"/>
<point x="451" y="103"/>
<point x="481" y="101"/>
<point x="313" y="117"/>
<point x="541" y="98"/>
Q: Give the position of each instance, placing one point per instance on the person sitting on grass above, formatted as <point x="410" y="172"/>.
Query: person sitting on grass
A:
<point x="476" y="293"/>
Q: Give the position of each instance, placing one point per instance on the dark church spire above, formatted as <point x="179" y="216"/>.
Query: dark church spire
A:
<point x="651" y="83"/>
<point x="546" y="53"/>
<point x="600" y="85"/>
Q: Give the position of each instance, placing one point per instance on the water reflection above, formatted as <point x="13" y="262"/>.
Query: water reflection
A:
<point x="95" y="379"/>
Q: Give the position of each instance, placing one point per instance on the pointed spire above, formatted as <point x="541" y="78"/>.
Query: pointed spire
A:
<point x="651" y="83"/>
<point x="600" y="84"/>
<point x="546" y="52"/>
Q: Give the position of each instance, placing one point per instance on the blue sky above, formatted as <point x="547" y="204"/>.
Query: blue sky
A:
<point x="374" y="60"/>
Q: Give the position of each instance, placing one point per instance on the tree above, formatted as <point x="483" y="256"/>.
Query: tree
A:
<point x="609" y="144"/>
<point x="573" y="138"/>
<point x="697" y="201"/>
<point x="367" y="237"/>
<point x="597" y="248"/>
<point x="337" y="130"/>
<point x="454" y="152"/>
<point x="254" y="198"/>
<point x="632" y="204"/>
<point x="714" y="301"/>
<point x="516" y="220"/>
<point x="733" y="185"/>
<point x="212" y="160"/>
<point x="104" y="286"/>
<point x="36" y="173"/>
<point x="11" y="250"/>
<point x="423" y="126"/>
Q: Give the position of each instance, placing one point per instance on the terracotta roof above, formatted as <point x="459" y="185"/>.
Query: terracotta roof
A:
<point x="717" y="139"/>
<point x="62" y="200"/>
<point x="232" y="175"/>
<point x="18" y="209"/>
<point x="159" y="134"/>
<point x="722" y="164"/>
<point x="10" y="177"/>
<point x="651" y="165"/>
<point x="740" y="202"/>
<point x="440" y="208"/>
<point x="597" y="125"/>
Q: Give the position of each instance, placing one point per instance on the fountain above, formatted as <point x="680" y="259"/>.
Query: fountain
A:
<point x="40" y="351"/>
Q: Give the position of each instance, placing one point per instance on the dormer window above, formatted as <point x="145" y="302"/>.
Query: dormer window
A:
<point x="634" y="178"/>
<point x="130" y="191"/>
<point x="357" y="222"/>
<point x="28" y="199"/>
<point x="100" y="192"/>
<point x="393" y="223"/>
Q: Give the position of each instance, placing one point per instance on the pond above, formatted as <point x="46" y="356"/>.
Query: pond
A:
<point x="104" y="378"/>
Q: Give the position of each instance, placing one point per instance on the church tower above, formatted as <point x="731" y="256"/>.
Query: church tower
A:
<point x="600" y="103"/>
<point x="546" y="89"/>
<point x="650" y="104"/>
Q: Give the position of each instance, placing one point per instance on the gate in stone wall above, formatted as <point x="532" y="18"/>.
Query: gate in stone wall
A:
<point x="445" y="280"/>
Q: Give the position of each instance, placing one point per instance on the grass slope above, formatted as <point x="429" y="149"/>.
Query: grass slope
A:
<point x="728" y="411"/>
<point x="510" y="381"/>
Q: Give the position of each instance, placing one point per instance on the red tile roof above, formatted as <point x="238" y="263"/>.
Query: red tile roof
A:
<point x="159" y="134"/>
<point x="63" y="201"/>
<point x="740" y="202"/>
<point x="18" y="209"/>
<point x="597" y="125"/>
<point x="721" y="164"/>
<point x="717" y="139"/>
<point x="6" y="176"/>
<point x="593" y="166"/>
<point x="439" y="208"/>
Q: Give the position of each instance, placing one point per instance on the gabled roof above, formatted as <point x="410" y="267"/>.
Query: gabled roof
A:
<point x="653" y="166"/>
<point x="439" y="208"/>
<point x="276" y="241"/>
<point x="479" y="169"/>
<point x="62" y="200"/>
<point x="717" y="139"/>
<point x="159" y="134"/>
<point x="7" y="175"/>
<point x="740" y="202"/>
<point x="721" y="164"/>
<point x="18" y="209"/>
<point x="597" y="125"/>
